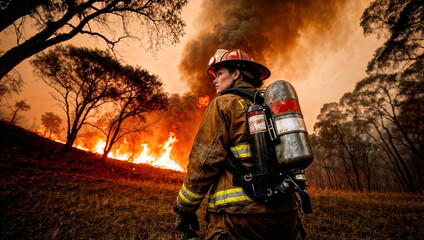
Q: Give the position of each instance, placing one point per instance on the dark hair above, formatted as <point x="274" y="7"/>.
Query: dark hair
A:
<point x="255" y="81"/>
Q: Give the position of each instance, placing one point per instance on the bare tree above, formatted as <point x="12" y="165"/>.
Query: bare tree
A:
<point x="381" y="99"/>
<point x="59" y="21"/>
<point x="340" y="136"/>
<point x="380" y="95"/>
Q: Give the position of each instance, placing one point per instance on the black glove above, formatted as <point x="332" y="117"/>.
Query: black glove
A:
<point x="186" y="223"/>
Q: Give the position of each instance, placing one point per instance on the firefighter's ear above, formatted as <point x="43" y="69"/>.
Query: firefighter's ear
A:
<point x="236" y="74"/>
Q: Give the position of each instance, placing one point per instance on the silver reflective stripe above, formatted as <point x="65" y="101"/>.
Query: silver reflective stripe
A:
<point x="290" y="124"/>
<point x="189" y="197"/>
<point x="228" y="196"/>
<point x="191" y="200"/>
<point x="241" y="151"/>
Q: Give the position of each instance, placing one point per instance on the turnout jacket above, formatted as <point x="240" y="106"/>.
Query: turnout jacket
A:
<point x="222" y="131"/>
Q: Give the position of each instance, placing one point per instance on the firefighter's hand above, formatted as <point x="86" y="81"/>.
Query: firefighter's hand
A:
<point x="186" y="223"/>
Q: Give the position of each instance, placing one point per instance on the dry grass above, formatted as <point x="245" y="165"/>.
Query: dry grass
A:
<point x="48" y="194"/>
<point x="347" y="215"/>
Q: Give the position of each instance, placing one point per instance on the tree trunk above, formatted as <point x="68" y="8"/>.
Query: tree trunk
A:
<point x="409" y="180"/>
<point x="70" y="139"/>
<point x="14" y="116"/>
<point x="329" y="178"/>
<point x="105" y="153"/>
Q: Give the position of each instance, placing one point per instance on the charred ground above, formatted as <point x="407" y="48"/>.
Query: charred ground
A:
<point x="46" y="193"/>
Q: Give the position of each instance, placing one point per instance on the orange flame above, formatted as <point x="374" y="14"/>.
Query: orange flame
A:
<point x="203" y="101"/>
<point x="162" y="161"/>
<point x="44" y="132"/>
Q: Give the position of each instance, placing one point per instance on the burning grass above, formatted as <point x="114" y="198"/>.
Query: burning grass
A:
<point x="48" y="194"/>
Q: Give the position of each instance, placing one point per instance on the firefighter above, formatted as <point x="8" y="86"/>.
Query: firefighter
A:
<point x="220" y="149"/>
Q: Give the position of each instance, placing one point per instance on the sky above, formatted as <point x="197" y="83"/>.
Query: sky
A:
<point x="321" y="67"/>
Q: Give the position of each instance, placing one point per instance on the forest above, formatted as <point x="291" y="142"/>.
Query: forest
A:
<point x="372" y="139"/>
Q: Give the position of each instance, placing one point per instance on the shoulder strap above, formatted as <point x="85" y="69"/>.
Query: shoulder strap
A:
<point x="234" y="164"/>
<point x="253" y="96"/>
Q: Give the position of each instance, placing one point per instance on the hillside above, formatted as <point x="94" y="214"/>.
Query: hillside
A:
<point x="46" y="193"/>
<point x="49" y="194"/>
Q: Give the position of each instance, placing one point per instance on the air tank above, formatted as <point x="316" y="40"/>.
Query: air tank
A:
<point x="260" y="140"/>
<point x="293" y="149"/>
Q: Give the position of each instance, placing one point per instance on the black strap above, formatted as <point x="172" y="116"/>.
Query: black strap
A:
<point x="251" y="95"/>
<point x="234" y="164"/>
<point x="300" y="227"/>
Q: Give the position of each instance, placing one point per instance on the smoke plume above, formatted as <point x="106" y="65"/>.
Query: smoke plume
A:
<point x="271" y="32"/>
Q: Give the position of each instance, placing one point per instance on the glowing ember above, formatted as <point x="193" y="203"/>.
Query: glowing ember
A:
<point x="203" y="101"/>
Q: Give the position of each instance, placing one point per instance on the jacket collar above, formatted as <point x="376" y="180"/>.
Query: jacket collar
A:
<point x="245" y="85"/>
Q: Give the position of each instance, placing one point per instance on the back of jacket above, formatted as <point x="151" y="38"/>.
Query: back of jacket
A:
<point x="223" y="129"/>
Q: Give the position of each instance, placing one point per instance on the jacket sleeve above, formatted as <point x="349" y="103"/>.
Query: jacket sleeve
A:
<point x="207" y="156"/>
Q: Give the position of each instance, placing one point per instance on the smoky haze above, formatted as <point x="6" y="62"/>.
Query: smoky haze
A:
<point x="268" y="30"/>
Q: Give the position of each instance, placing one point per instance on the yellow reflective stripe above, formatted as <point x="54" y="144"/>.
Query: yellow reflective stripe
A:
<point x="226" y="191"/>
<point x="194" y="195"/>
<point x="241" y="104"/>
<point x="248" y="104"/>
<point x="230" y="200"/>
<point x="244" y="155"/>
<point x="240" y="147"/>
<point x="227" y="196"/>
<point x="186" y="200"/>
<point x="241" y="151"/>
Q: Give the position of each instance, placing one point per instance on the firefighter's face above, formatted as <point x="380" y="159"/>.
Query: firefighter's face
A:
<point x="223" y="79"/>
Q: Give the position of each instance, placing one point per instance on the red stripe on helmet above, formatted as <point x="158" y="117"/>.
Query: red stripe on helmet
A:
<point x="285" y="106"/>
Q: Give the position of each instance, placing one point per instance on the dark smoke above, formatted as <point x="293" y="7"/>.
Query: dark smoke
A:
<point x="267" y="30"/>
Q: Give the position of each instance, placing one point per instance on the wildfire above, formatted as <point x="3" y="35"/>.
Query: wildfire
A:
<point x="162" y="161"/>
<point x="203" y="101"/>
<point x="117" y="154"/>
<point x="43" y="131"/>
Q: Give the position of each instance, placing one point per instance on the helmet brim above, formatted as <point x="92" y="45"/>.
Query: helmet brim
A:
<point x="264" y="72"/>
